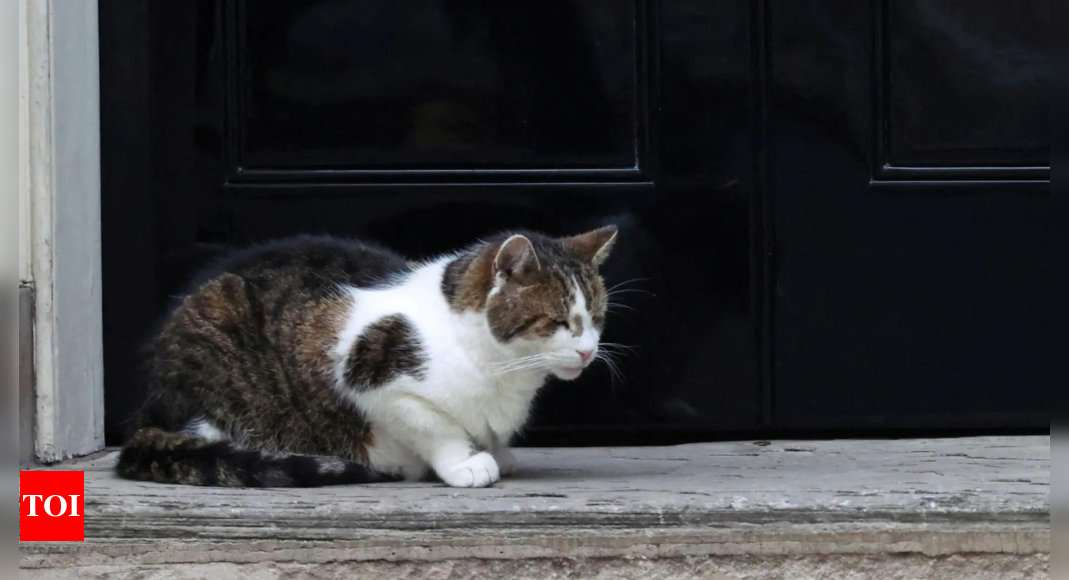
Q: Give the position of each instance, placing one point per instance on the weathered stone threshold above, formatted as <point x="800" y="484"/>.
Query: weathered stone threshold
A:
<point x="947" y="508"/>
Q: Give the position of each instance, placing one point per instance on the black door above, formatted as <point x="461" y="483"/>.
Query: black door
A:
<point x="833" y="215"/>
<point x="909" y="161"/>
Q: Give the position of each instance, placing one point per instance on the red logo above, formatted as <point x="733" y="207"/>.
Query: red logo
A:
<point x="51" y="506"/>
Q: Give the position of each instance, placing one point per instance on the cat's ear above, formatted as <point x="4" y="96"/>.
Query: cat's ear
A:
<point x="594" y="247"/>
<point x="516" y="256"/>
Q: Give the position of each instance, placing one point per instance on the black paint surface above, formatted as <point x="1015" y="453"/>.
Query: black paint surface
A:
<point x="833" y="215"/>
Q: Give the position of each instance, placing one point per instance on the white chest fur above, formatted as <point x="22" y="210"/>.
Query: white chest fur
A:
<point x="458" y="384"/>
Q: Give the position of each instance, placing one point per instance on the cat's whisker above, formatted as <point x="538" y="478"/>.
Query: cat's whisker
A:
<point x="529" y="366"/>
<point x="616" y="345"/>
<point x="514" y="368"/>
<point x="521" y="359"/>
<point x="603" y="356"/>
<point x="629" y="291"/>
<point x="514" y="361"/>
<point x="626" y="282"/>
<point x="542" y="361"/>
<point x="617" y="353"/>
<point x="609" y="356"/>
<point x="612" y="305"/>
<point x="614" y="370"/>
<point x="523" y="362"/>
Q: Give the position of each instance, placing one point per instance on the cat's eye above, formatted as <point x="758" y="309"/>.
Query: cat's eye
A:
<point x="561" y="323"/>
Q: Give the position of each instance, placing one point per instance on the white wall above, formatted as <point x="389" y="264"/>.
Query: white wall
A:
<point x="25" y="269"/>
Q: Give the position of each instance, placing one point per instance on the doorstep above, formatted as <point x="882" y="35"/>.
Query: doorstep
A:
<point x="941" y="508"/>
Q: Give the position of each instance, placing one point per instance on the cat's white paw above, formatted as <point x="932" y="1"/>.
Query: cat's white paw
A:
<point x="479" y="470"/>
<point x="506" y="461"/>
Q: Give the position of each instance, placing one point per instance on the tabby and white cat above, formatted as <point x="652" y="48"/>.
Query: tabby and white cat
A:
<point x="320" y="361"/>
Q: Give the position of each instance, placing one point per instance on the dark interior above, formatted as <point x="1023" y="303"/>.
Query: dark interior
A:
<point x="834" y="215"/>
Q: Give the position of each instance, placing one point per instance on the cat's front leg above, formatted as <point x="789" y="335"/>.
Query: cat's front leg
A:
<point x="439" y="441"/>
<point x="506" y="461"/>
<point x="478" y="470"/>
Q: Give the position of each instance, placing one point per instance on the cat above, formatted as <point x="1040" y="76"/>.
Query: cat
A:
<point x="318" y="361"/>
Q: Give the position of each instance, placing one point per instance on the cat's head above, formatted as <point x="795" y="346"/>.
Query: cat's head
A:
<point x="543" y="298"/>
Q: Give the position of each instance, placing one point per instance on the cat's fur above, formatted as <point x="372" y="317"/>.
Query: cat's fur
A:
<point x="319" y="361"/>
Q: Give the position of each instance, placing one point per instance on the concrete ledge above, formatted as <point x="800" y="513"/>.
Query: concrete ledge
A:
<point x="985" y="567"/>
<point x="975" y="508"/>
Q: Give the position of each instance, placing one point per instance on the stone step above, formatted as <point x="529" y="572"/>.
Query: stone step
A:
<point x="942" y="508"/>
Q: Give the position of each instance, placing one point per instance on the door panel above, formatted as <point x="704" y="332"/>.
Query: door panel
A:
<point x="451" y="85"/>
<point x="912" y="250"/>
<point x="966" y="84"/>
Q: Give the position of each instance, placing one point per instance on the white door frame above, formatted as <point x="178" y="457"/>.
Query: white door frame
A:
<point x="61" y="87"/>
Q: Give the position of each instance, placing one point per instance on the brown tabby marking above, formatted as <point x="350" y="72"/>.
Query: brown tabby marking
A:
<point x="386" y="350"/>
<point x="248" y="351"/>
<point x="469" y="279"/>
<point x="534" y="303"/>
<point x="163" y="472"/>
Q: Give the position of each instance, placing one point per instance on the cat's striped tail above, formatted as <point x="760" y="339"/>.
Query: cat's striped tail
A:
<point x="166" y="457"/>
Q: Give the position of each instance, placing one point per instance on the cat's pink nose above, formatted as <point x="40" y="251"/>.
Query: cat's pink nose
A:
<point x="585" y="355"/>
